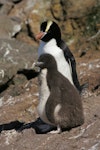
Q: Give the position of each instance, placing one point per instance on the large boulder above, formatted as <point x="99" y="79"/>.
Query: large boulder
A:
<point x="14" y="55"/>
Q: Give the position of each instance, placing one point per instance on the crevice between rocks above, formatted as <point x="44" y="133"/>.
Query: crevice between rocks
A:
<point x="30" y="33"/>
<point x="28" y="73"/>
<point x="4" y="86"/>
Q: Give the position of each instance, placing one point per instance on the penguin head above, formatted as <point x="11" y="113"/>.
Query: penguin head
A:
<point x="48" y="30"/>
<point x="46" y="61"/>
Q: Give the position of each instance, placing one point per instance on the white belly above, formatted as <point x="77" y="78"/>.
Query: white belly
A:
<point x="63" y="67"/>
<point x="43" y="95"/>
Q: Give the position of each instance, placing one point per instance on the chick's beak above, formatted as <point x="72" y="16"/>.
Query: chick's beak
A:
<point x="36" y="66"/>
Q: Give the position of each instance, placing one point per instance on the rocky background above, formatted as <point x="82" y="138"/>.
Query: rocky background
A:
<point x="80" y="26"/>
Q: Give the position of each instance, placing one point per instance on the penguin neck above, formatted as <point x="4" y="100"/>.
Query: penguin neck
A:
<point x="49" y="43"/>
<point x="44" y="46"/>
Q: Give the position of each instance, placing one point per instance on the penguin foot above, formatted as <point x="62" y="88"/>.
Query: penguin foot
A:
<point x="42" y="127"/>
<point x="58" y="131"/>
<point x="39" y="126"/>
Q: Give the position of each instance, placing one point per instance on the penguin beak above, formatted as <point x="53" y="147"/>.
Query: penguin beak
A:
<point x="37" y="66"/>
<point x="40" y="35"/>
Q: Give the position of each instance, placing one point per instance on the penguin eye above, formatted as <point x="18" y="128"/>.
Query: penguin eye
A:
<point x="42" y="29"/>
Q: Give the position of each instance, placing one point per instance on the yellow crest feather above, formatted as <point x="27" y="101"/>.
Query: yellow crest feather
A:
<point x="49" y="23"/>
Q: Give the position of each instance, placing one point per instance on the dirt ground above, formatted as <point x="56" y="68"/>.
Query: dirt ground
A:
<point x="23" y="108"/>
<point x="86" y="137"/>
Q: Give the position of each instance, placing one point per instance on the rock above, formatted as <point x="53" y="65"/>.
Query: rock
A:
<point x="22" y="9"/>
<point x="71" y="9"/>
<point x="88" y="72"/>
<point x="19" y="102"/>
<point x="38" y="14"/>
<point x="29" y="13"/>
<point x="73" y="18"/>
<point x="79" y="9"/>
<point x="6" y="7"/>
<point x="57" y="10"/>
<point x="14" y="55"/>
<point x="8" y="27"/>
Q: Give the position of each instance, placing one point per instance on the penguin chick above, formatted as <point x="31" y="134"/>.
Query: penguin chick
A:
<point x="63" y="107"/>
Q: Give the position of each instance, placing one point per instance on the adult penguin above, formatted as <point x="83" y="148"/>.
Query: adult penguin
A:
<point x="50" y="32"/>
